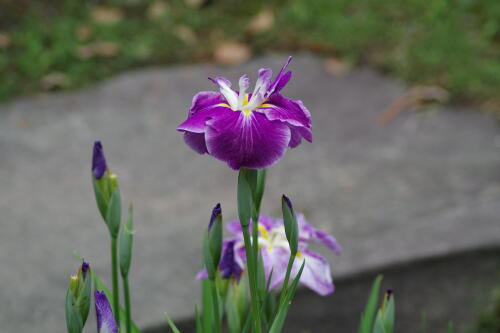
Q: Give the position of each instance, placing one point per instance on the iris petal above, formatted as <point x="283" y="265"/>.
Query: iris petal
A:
<point x="246" y="141"/>
<point x="316" y="274"/>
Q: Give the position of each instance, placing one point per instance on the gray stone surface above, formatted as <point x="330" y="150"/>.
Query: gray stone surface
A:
<point x="424" y="185"/>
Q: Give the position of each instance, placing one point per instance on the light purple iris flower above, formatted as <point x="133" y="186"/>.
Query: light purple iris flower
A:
<point x="247" y="130"/>
<point x="276" y="252"/>
<point x="105" y="320"/>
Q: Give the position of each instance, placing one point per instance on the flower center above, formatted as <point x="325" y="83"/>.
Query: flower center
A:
<point x="274" y="238"/>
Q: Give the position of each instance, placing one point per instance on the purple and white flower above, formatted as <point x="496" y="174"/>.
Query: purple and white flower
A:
<point x="247" y="130"/>
<point x="276" y="252"/>
<point x="105" y="320"/>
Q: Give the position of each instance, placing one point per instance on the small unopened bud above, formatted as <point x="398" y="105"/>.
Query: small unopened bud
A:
<point x="78" y="299"/>
<point x="99" y="166"/>
<point x="290" y="222"/>
<point x="212" y="248"/>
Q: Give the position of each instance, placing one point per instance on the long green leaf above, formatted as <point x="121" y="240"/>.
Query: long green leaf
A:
<point x="99" y="285"/>
<point x="233" y="318"/>
<point x="171" y="324"/>
<point x="279" y="320"/>
<point x="366" y="323"/>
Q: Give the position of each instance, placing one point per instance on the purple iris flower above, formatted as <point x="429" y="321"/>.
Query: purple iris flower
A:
<point x="105" y="320"/>
<point x="98" y="161"/>
<point x="247" y="130"/>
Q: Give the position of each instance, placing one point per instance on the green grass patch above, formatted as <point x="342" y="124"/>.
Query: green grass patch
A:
<point x="60" y="44"/>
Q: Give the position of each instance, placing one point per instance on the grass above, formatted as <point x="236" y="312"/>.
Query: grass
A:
<point x="60" y="43"/>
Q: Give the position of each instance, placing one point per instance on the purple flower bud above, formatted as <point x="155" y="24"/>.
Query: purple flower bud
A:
<point x="288" y="203"/>
<point x="228" y="265"/>
<point x="389" y="293"/>
<point x="105" y="320"/>
<point x="98" y="161"/>
<point x="215" y="213"/>
<point x="85" y="268"/>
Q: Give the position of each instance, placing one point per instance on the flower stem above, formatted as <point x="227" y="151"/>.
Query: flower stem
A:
<point x="128" y="311"/>
<point x="252" y="279"/>
<point x="114" y="272"/>
<point x="215" y="301"/>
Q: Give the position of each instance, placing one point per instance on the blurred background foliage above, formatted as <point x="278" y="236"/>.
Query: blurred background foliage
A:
<point x="59" y="44"/>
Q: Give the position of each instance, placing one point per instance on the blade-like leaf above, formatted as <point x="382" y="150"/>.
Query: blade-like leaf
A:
<point x="233" y="318"/>
<point x="366" y="323"/>
<point x="199" y="324"/>
<point x="279" y="320"/>
<point x="171" y="324"/>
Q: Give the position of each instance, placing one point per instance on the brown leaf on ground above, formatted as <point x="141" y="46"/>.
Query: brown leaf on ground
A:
<point x="157" y="10"/>
<point x="415" y="97"/>
<point x="262" y="22"/>
<point x="232" y="53"/>
<point x="185" y="34"/>
<point x="195" y="3"/>
<point x="336" y="66"/>
<point x="4" y="40"/>
<point x="100" y="48"/>
<point x="84" y="32"/>
<point x="106" y="15"/>
<point x="55" y="80"/>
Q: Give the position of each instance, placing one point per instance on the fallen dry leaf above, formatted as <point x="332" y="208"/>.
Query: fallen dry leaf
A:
<point x="4" y="40"/>
<point x="100" y="48"/>
<point x="195" y="3"/>
<point x="106" y="15"/>
<point x="336" y="66"/>
<point x="84" y="32"/>
<point x="262" y="22"/>
<point x="232" y="53"/>
<point x="55" y="80"/>
<point x="185" y="34"/>
<point x="414" y="97"/>
<point x="157" y="10"/>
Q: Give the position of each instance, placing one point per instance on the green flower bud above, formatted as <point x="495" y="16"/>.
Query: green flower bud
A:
<point x="126" y="238"/>
<point x="78" y="299"/>
<point x="291" y="226"/>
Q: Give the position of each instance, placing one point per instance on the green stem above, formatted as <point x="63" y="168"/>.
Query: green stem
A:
<point x="114" y="272"/>
<point x="215" y="301"/>
<point x="128" y="311"/>
<point x="252" y="279"/>
<point x="287" y="278"/>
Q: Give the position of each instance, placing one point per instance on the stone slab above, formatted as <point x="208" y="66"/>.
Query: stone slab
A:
<point x="427" y="184"/>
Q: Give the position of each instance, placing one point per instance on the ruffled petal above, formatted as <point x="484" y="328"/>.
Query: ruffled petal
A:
<point x="287" y="110"/>
<point x="196" y="122"/>
<point x="308" y="233"/>
<point x="204" y="100"/>
<point x="246" y="141"/>
<point x="196" y="141"/>
<point x="316" y="274"/>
